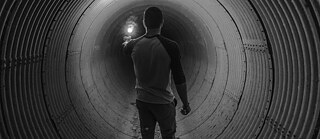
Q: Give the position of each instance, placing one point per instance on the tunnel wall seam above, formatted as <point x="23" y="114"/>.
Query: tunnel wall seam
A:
<point x="24" y="64"/>
<point x="314" y="6"/>
<point x="256" y="48"/>
<point x="68" y="110"/>
<point x="304" y="55"/>
<point x="244" y="84"/>
<point x="48" y="35"/>
<point x="272" y="64"/>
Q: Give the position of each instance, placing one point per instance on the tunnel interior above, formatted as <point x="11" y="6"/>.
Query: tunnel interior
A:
<point x="252" y="68"/>
<point x="118" y="67"/>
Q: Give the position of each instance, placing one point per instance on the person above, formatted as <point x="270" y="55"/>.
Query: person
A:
<point x="155" y="58"/>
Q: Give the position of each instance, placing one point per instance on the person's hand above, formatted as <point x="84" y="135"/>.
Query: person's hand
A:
<point x="175" y="102"/>
<point x="126" y="39"/>
<point x="185" y="109"/>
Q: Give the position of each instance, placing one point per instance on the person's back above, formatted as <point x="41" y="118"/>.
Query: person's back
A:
<point x="154" y="58"/>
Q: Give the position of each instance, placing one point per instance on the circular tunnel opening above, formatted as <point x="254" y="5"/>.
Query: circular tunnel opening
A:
<point x="251" y="65"/>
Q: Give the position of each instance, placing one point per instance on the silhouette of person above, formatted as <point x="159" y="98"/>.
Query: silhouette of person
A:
<point x="155" y="60"/>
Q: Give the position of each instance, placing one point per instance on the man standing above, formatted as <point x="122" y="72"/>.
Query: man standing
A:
<point x="155" y="59"/>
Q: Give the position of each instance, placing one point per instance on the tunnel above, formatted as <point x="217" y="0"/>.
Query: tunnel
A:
<point x="252" y="68"/>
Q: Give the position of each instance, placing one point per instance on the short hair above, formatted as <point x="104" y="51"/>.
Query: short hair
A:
<point x="153" y="17"/>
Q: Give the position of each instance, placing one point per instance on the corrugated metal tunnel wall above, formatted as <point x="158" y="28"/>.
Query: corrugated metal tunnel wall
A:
<point x="252" y="68"/>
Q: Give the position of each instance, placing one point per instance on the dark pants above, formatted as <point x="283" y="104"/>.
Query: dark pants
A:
<point x="164" y="114"/>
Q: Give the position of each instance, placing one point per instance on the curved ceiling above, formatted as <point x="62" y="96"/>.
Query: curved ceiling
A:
<point x="252" y="68"/>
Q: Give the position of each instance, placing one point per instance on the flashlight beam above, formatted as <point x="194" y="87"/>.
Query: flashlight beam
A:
<point x="130" y="28"/>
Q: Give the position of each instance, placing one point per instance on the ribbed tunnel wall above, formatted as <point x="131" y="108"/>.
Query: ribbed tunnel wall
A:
<point x="252" y="68"/>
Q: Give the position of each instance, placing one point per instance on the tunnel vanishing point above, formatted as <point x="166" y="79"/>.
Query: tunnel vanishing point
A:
<point x="252" y="68"/>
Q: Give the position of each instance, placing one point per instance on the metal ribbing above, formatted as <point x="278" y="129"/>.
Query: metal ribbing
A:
<point x="23" y="26"/>
<point x="294" y="39"/>
<point x="34" y="36"/>
<point x="63" y="113"/>
<point x="256" y="95"/>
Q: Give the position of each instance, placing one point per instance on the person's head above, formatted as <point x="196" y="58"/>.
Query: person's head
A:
<point x="153" y="18"/>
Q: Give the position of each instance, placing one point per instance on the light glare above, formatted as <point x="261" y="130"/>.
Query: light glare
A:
<point x="130" y="29"/>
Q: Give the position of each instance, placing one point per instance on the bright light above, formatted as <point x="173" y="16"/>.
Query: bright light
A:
<point x="130" y="29"/>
